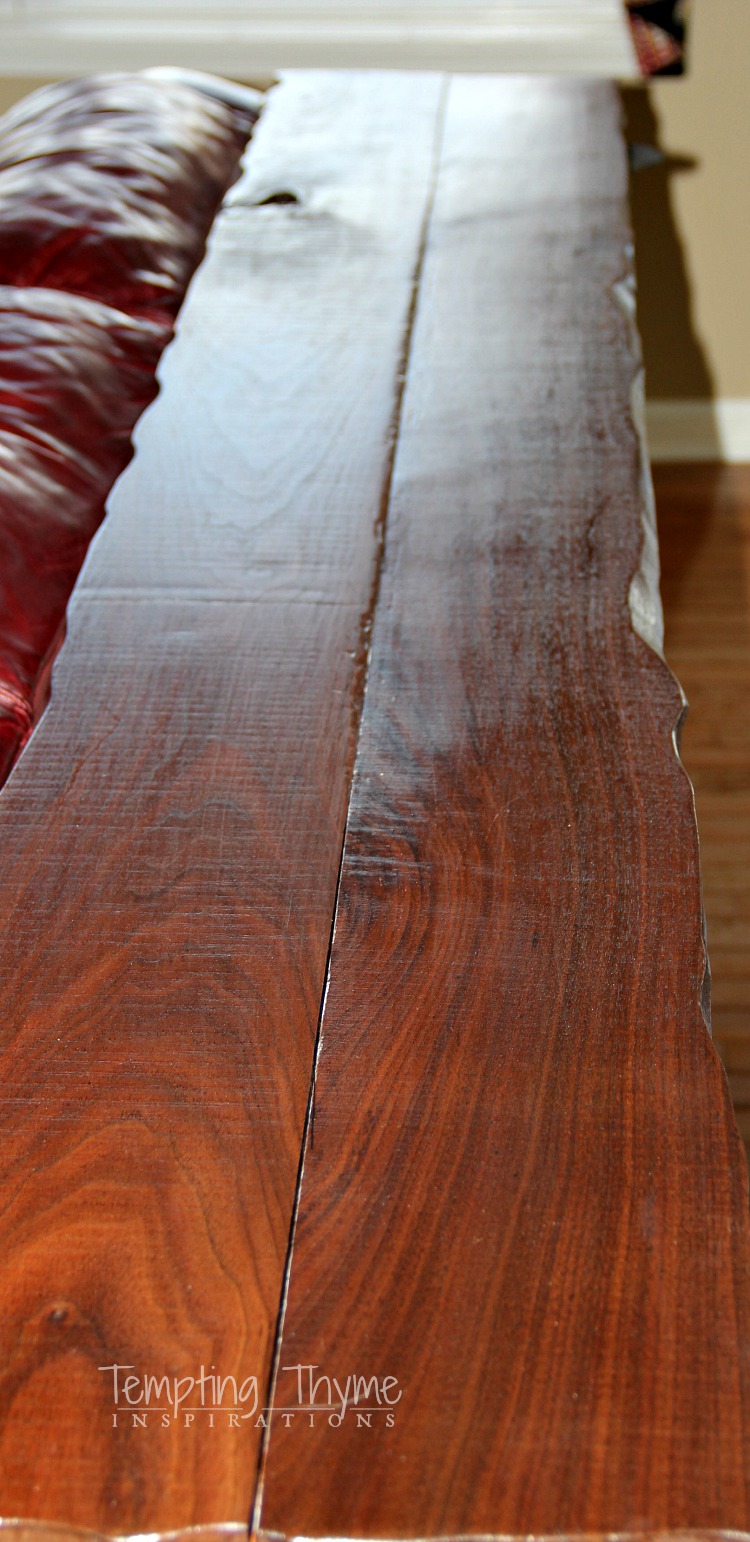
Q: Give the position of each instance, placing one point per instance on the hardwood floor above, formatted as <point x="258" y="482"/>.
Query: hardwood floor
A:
<point x="704" y="531"/>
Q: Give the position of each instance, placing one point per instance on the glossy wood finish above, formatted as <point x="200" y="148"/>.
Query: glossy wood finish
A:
<point x="524" y="1194"/>
<point x="170" y="840"/>
<point x="704" y="534"/>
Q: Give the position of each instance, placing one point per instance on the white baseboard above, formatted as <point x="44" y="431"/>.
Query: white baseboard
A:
<point x="699" y="430"/>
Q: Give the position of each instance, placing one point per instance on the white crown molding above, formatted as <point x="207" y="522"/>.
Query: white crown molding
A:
<point x="246" y="40"/>
<point x="699" y="430"/>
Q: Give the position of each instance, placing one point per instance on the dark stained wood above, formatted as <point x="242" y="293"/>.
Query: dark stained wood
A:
<point x="524" y="1194"/>
<point x="704" y="535"/>
<point x="170" y="840"/>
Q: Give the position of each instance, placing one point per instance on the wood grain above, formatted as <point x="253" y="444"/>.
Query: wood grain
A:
<point x="524" y="1194"/>
<point x="704" y="534"/>
<point x="170" y="840"/>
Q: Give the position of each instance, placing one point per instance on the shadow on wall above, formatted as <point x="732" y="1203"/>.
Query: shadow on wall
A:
<point x="675" y="361"/>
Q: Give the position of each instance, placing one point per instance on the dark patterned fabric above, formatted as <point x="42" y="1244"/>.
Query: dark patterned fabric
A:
<point x="659" y="28"/>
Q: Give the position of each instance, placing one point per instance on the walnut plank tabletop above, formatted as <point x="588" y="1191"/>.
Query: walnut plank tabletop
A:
<point x="354" y="1047"/>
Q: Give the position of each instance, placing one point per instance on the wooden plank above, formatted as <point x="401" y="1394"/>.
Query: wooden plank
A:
<point x="524" y="1195"/>
<point x="170" y="840"/>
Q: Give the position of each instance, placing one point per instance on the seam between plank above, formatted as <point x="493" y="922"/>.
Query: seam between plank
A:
<point x="380" y="533"/>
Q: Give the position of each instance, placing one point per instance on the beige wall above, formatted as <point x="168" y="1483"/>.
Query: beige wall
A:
<point x="692" y="220"/>
<point x="692" y="217"/>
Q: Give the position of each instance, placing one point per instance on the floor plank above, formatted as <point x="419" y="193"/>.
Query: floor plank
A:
<point x="523" y="1195"/>
<point x="170" y="840"/>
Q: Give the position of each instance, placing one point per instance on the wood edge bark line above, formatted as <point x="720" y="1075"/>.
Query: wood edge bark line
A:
<point x="678" y="1535"/>
<point x="19" y="1530"/>
<point x="644" y="597"/>
<point x="647" y="616"/>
